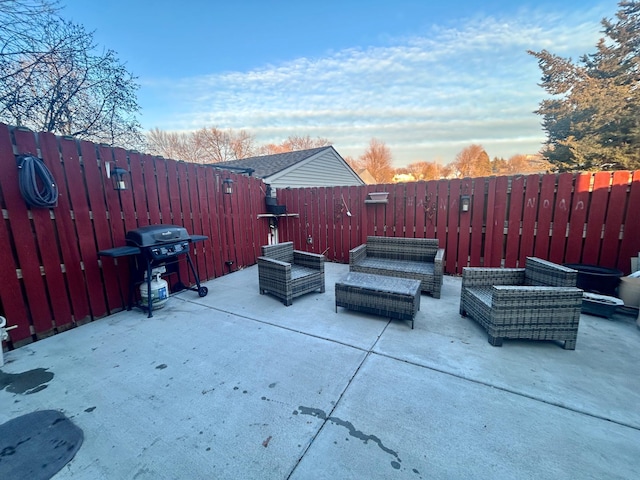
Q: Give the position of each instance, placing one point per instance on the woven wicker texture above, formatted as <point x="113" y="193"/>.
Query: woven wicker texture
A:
<point x="390" y="297"/>
<point x="538" y="302"/>
<point x="287" y="273"/>
<point x="412" y="258"/>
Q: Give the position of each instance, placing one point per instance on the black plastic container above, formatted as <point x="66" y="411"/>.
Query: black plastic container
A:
<point x="595" y="279"/>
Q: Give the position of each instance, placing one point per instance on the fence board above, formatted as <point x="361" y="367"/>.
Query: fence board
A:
<point x="596" y="215"/>
<point x="326" y="219"/>
<point x="578" y="217"/>
<point x="400" y="209"/>
<point x="13" y="306"/>
<point x="66" y="233"/>
<point x="489" y="223"/>
<point x="150" y="192"/>
<point x="530" y="213"/>
<point x="516" y="203"/>
<point x="431" y="209"/>
<point x="500" y="214"/>
<point x="164" y="204"/>
<point x="138" y="195"/>
<point x="215" y="246"/>
<point x="204" y="248"/>
<point x="101" y="225"/>
<point x="453" y="221"/>
<point x="561" y="217"/>
<point x="78" y="197"/>
<point x="442" y="212"/>
<point x="46" y="241"/>
<point x="421" y="209"/>
<point x="117" y="227"/>
<point x="464" y="234"/>
<point x="25" y="244"/>
<point x="546" y="207"/>
<point x="197" y="210"/>
<point x="629" y="247"/>
<point x="614" y="218"/>
<point x="477" y="222"/>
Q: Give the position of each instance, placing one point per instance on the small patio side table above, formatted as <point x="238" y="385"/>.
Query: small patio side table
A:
<point x="391" y="297"/>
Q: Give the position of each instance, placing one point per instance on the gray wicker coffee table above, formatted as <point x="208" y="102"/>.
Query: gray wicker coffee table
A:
<point x="391" y="297"/>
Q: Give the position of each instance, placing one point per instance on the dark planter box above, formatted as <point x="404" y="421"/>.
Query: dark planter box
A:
<point x="595" y="279"/>
<point x="277" y="209"/>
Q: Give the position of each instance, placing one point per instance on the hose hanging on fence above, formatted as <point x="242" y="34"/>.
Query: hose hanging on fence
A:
<point x="37" y="185"/>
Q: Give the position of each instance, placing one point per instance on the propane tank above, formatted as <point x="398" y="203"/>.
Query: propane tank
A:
<point x="159" y="289"/>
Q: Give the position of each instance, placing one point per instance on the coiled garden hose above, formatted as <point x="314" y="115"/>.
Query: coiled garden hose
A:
<point x="37" y="185"/>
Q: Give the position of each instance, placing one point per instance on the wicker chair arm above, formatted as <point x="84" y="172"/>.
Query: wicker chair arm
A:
<point x="357" y="254"/>
<point x="308" y="259"/>
<point x="275" y="265"/>
<point x="479" y="276"/>
<point x="544" y="296"/>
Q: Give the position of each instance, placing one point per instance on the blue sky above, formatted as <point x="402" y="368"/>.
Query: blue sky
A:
<point x="427" y="78"/>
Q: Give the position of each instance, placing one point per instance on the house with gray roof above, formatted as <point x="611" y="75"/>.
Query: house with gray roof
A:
<point x="316" y="167"/>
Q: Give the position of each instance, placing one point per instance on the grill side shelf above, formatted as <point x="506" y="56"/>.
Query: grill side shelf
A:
<point x="119" y="252"/>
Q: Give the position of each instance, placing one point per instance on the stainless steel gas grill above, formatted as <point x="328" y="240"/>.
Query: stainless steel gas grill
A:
<point x="152" y="246"/>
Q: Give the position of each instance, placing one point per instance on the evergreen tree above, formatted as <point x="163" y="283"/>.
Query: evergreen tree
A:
<point x="592" y="121"/>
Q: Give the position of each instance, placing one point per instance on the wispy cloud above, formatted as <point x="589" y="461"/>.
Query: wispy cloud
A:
<point x="426" y="96"/>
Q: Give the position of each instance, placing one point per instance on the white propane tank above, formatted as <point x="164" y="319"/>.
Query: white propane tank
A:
<point x="159" y="289"/>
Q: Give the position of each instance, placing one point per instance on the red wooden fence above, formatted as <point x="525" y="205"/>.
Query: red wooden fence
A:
<point x="590" y="218"/>
<point x="52" y="279"/>
<point x="51" y="275"/>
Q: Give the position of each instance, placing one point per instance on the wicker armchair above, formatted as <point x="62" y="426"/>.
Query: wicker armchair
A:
<point x="538" y="302"/>
<point x="287" y="273"/>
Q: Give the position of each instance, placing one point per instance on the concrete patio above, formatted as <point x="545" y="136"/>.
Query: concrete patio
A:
<point x="237" y="386"/>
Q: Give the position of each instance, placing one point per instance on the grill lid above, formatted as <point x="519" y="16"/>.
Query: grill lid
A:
<point x="157" y="235"/>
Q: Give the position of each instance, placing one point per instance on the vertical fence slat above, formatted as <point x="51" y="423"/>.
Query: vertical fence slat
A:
<point x="596" y="215"/>
<point x="500" y="214"/>
<point x="442" y="212"/>
<point x="453" y="223"/>
<point x="578" y="217"/>
<point x="101" y="226"/>
<point x="477" y="222"/>
<point x="515" y="216"/>
<point x="546" y="207"/>
<point x="529" y="215"/>
<point x="204" y="248"/>
<point x="25" y="244"/>
<point x="14" y="307"/>
<point x="614" y="218"/>
<point x="46" y="241"/>
<point x="67" y="235"/>
<point x="420" y="214"/>
<point x="630" y="245"/>
<point x="464" y="235"/>
<point x="561" y="217"/>
<point x="489" y="223"/>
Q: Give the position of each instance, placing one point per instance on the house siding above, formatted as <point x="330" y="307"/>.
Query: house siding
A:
<point x="323" y="170"/>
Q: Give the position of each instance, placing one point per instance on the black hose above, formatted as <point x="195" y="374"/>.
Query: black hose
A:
<point x="37" y="194"/>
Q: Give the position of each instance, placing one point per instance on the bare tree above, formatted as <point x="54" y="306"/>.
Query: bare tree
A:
<point x="174" y="145"/>
<point x="472" y="161"/>
<point x="207" y="145"/>
<point x="222" y="146"/>
<point x="424" y="170"/>
<point x="377" y="160"/>
<point x="52" y="79"/>
<point x="520" y="164"/>
<point x="294" y="143"/>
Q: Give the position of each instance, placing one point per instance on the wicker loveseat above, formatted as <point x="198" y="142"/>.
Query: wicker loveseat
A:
<point x="538" y="302"/>
<point x="414" y="258"/>
<point x="287" y="273"/>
